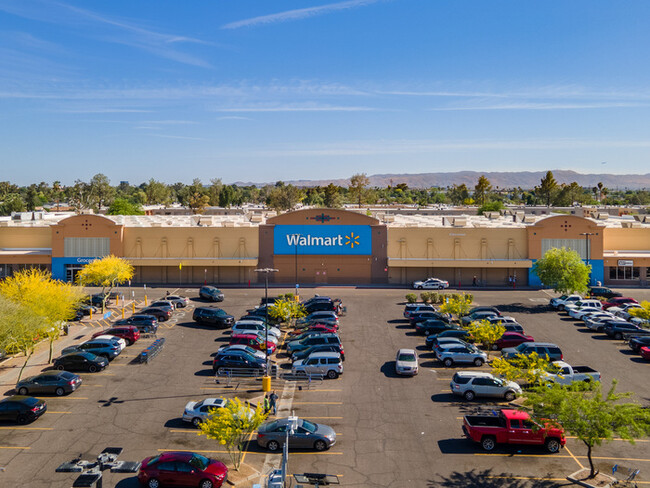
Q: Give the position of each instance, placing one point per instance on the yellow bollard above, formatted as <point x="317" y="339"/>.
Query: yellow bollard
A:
<point x="122" y="312"/>
<point x="266" y="384"/>
<point x="145" y="300"/>
<point x="117" y="300"/>
<point x="91" y="313"/>
<point x="133" y="307"/>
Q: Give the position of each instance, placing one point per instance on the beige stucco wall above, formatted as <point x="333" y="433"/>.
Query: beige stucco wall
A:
<point x="627" y="239"/>
<point x="25" y="237"/>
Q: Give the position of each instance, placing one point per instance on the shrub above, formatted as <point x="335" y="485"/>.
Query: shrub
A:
<point x="411" y="298"/>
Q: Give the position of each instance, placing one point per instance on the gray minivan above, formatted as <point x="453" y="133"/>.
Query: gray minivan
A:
<point x="328" y="364"/>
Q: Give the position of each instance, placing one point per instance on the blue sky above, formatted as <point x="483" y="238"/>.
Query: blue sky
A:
<point x="258" y="90"/>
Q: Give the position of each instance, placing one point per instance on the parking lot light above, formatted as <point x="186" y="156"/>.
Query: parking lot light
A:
<point x="266" y="380"/>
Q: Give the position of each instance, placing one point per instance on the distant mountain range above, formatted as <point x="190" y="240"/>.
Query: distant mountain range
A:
<point x="514" y="179"/>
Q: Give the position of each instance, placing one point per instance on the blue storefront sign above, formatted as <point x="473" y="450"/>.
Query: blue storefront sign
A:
<point x="60" y="266"/>
<point x="350" y="240"/>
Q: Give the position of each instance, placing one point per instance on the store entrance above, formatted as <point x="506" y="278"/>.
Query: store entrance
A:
<point x="71" y="271"/>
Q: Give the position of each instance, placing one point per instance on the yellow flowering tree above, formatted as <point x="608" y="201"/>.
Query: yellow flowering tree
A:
<point x="457" y="305"/>
<point x="54" y="302"/>
<point x="286" y="309"/>
<point x="106" y="272"/>
<point x="483" y="332"/>
<point x="531" y="368"/>
<point x="233" y="426"/>
<point x="643" y="312"/>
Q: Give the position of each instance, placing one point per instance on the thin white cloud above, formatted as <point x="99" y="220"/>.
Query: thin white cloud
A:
<point x="298" y="14"/>
<point x="187" y="138"/>
<point x="542" y="106"/>
<point x="105" y="28"/>
<point x="105" y="111"/>
<point x="295" y="108"/>
<point x="233" y="117"/>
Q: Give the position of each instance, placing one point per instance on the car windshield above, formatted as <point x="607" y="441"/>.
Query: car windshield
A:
<point x="406" y="357"/>
<point x="199" y="404"/>
<point x="307" y="425"/>
<point x="521" y="347"/>
<point x="153" y="460"/>
<point x="199" y="462"/>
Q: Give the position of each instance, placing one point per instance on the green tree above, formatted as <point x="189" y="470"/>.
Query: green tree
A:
<point x="563" y="270"/>
<point x="531" y="368"/>
<point x="106" y="272"/>
<point x="121" y="206"/>
<point x="357" y="188"/>
<point x="13" y="202"/>
<point x="157" y="193"/>
<point x="458" y="194"/>
<point x="285" y="197"/>
<point x="233" y="426"/>
<point x="482" y="190"/>
<point x="332" y="196"/>
<point x="493" y="206"/>
<point x="226" y="196"/>
<point x="101" y="191"/>
<point x="593" y="417"/>
<point x="547" y="188"/>
<point x="215" y="190"/>
<point x="198" y="202"/>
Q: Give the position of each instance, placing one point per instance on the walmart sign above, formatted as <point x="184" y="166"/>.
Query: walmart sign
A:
<point x="322" y="239"/>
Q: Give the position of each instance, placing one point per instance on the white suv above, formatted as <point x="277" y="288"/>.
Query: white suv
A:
<point x="328" y="364"/>
<point x="472" y="384"/>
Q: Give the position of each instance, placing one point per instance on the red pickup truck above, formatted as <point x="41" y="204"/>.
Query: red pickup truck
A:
<point x="512" y="427"/>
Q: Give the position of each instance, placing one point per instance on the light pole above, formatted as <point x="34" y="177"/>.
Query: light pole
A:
<point x="266" y="381"/>
<point x="587" y="234"/>
<point x="296" y="237"/>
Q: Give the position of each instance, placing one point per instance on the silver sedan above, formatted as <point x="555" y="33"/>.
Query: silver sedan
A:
<point x="307" y="435"/>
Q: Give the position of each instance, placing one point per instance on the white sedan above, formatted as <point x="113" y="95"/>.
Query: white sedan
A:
<point x="113" y="338"/>
<point x="406" y="362"/>
<point x="430" y="284"/>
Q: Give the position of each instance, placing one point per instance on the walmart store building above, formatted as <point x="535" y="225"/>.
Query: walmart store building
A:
<point x="327" y="246"/>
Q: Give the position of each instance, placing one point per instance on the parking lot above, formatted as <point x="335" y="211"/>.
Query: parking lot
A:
<point x="391" y="431"/>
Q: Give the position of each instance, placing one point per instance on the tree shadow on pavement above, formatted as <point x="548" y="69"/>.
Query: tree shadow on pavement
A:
<point x="487" y="479"/>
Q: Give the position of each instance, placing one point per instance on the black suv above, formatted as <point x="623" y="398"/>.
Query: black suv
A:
<point x="214" y="316"/>
<point x="147" y="324"/>
<point x="434" y="326"/>
<point x="237" y="361"/>
<point x="211" y="293"/>
<point x="602" y="291"/>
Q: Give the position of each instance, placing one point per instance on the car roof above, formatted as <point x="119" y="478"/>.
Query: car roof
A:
<point x="474" y="374"/>
<point x="406" y="351"/>
<point x="325" y="354"/>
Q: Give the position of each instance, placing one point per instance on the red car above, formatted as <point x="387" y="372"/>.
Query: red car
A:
<point x="326" y="328"/>
<point x="182" y="469"/>
<point x="617" y="302"/>
<point x="511" y="339"/>
<point x="645" y="352"/>
<point x="253" y="341"/>
<point x="129" y="333"/>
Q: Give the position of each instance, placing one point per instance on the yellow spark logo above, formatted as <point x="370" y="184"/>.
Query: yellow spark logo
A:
<point x="351" y="240"/>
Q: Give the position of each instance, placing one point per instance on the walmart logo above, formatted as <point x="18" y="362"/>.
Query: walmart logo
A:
<point x="352" y="240"/>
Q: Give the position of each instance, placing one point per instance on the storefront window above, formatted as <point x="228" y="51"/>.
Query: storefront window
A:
<point x="624" y="273"/>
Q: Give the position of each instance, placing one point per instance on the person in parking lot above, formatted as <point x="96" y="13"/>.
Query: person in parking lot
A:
<point x="273" y="402"/>
<point x="267" y="405"/>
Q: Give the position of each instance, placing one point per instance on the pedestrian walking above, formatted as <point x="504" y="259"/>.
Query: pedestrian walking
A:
<point x="273" y="402"/>
<point x="474" y="282"/>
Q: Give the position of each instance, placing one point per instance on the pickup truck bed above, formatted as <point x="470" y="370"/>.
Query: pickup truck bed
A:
<point x="485" y="421"/>
<point x="583" y="369"/>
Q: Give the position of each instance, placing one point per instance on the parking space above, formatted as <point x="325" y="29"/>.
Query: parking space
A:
<point x="391" y="431"/>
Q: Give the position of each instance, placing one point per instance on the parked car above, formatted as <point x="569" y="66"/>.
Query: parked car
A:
<point x="406" y="362"/>
<point x="461" y="354"/>
<point x="80" y="361"/>
<point x="565" y="374"/>
<point x="418" y="317"/>
<point x="97" y="300"/>
<point x="618" y="301"/>
<point x="512" y="427"/>
<point x="177" y="300"/>
<point x="472" y="384"/>
<point x="543" y="349"/>
<point x="411" y="308"/>
<point x="579" y="308"/>
<point x="111" y="339"/>
<point x="213" y="316"/>
<point x="21" y="409"/>
<point x="501" y="320"/>
<point x="129" y="333"/>
<point x="624" y="310"/>
<point x="637" y="342"/>
<point x="211" y="293"/>
<point x="197" y="412"/>
<point x="328" y="364"/>
<point x="443" y="342"/>
<point x="434" y="326"/>
<point x="305" y="353"/>
<point x="477" y="315"/>
<point x="484" y="308"/>
<point x="241" y="349"/>
<point x="562" y="301"/>
<point x="86" y="309"/>
<point x="234" y="361"/>
<point x="324" y="328"/>
<point x="161" y="314"/>
<point x="617" y="330"/>
<point x="97" y="347"/>
<point x="54" y="382"/>
<point x="320" y="306"/>
<point x="513" y="327"/>
<point x="306" y="333"/>
<point x="456" y="333"/>
<point x="430" y="284"/>
<point x="602" y="291"/>
<point x="295" y="346"/>
<point x="645" y="352"/>
<point x="319" y="315"/>
<point x="251" y="327"/>
<point x="182" y="469"/>
<point x="310" y="435"/>
<point x="164" y="304"/>
<point x="597" y="324"/>
<point x="144" y="323"/>
<point x="511" y="339"/>
<point x="253" y="341"/>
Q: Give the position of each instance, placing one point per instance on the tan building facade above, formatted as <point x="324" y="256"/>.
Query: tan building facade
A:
<point x="327" y="246"/>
